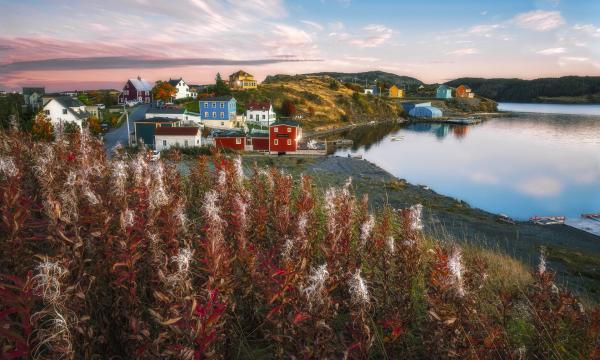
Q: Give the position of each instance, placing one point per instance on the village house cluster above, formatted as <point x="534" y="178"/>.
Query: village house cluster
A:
<point x="258" y="129"/>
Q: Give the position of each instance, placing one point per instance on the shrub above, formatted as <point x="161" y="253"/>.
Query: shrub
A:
<point x="122" y="258"/>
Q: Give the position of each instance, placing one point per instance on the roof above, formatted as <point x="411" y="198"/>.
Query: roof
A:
<point x="420" y="111"/>
<point x="256" y="133"/>
<point x="259" y="106"/>
<point x="466" y="87"/>
<point x="157" y="120"/>
<point x="286" y="122"/>
<point x="31" y="90"/>
<point x="240" y="73"/>
<point x="177" y="131"/>
<point x="229" y="133"/>
<point x="141" y="84"/>
<point x="217" y="98"/>
<point x="443" y="87"/>
<point x="68" y="101"/>
<point x="174" y="82"/>
<point x="166" y="111"/>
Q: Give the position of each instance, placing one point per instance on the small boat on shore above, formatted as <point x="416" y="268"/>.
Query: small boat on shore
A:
<point x="505" y="219"/>
<point x="397" y="138"/>
<point x="548" y="220"/>
<point x="359" y="156"/>
<point x="592" y="216"/>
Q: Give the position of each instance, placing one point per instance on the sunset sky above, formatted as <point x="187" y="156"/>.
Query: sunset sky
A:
<point x="88" y="44"/>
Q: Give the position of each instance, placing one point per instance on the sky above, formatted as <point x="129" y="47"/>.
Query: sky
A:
<point x="85" y="44"/>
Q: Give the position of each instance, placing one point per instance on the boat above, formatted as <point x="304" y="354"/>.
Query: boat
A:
<point x="592" y="216"/>
<point x="548" y="220"/>
<point x="506" y="219"/>
<point x="397" y="138"/>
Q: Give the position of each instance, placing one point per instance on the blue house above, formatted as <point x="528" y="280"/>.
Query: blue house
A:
<point x="218" y="108"/>
<point x="444" y="92"/>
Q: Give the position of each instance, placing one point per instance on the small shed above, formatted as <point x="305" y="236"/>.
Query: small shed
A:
<point x="426" y="112"/>
<point x="444" y="92"/>
<point x="167" y="137"/>
<point x="231" y="139"/>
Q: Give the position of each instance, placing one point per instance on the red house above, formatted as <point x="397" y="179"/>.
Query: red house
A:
<point x="136" y="90"/>
<point x="233" y="140"/>
<point x="284" y="136"/>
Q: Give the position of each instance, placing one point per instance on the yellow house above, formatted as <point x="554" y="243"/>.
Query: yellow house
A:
<point x="395" y="92"/>
<point x="241" y="80"/>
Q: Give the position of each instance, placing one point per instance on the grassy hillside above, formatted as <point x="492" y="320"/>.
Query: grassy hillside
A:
<point x="321" y="101"/>
<point x="371" y="76"/>
<point x="568" y="89"/>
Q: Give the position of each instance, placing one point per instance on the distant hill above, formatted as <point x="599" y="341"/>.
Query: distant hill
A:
<point x="568" y="89"/>
<point x="371" y="76"/>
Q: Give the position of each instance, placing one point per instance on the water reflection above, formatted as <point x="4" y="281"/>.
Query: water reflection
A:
<point x="523" y="166"/>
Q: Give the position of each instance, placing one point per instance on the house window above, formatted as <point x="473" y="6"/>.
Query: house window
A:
<point x="251" y="116"/>
<point x="197" y="142"/>
<point x="47" y="112"/>
<point x="64" y="111"/>
<point x="206" y="104"/>
<point x="289" y="141"/>
<point x="222" y="105"/>
<point x="276" y="129"/>
<point x="214" y="104"/>
<point x="238" y="141"/>
<point x="289" y="129"/>
<point x="206" y="114"/>
<point x="264" y="117"/>
<point x="214" y="114"/>
<point x="222" y="114"/>
<point x="164" y="142"/>
<point x="276" y="142"/>
<point x="185" y="143"/>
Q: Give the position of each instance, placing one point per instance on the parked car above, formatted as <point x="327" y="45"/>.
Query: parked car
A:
<point x="104" y="127"/>
<point x="155" y="155"/>
<point x="101" y="106"/>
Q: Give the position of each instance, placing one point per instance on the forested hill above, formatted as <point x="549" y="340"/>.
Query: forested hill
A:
<point x="568" y="89"/>
<point x="371" y="76"/>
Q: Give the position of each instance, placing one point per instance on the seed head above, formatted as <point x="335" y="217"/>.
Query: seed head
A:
<point x="316" y="284"/>
<point x="456" y="270"/>
<point x="366" y="229"/>
<point x="8" y="167"/>
<point x="358" y="289"/>
<point x="416" y="222"/>
<point x="47" y="281"/>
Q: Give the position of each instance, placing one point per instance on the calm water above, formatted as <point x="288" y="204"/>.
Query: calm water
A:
<point x="529" y="165"/>
<point x="551" y="108"/>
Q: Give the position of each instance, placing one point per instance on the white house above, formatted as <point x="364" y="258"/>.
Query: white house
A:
<point x="180" y="114"/>
<point x="183" y="89"/>
<point x="63" y="109"/>
<point x="261" y="113"/>
<point x="167" y="137"/>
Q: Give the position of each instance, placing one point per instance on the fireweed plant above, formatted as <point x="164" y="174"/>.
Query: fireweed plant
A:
<point x="128" y="259"/>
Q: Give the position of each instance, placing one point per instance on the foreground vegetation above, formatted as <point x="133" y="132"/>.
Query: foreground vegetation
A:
<point x="128" y="259"/>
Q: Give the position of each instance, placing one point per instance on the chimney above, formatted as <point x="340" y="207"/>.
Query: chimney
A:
<point x="139" y="78"/>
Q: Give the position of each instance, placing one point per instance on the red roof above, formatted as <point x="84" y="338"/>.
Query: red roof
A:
<point x="256" y="106"/>
<point x="182" y="131"/>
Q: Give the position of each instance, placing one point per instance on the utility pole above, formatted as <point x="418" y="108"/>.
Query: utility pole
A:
<point x="128" y="132"/>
